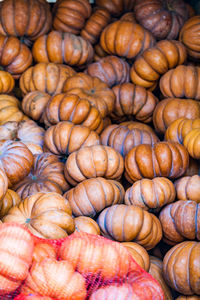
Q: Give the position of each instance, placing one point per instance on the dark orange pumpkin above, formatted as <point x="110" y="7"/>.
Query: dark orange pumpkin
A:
<point x="188" y="188"/>
<point x="192" y="143"/>
<point x="116" y="7"/>
<point x="7" y="82"/>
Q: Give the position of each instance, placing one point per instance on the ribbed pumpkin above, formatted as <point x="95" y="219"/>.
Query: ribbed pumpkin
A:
<point x="129" y="16"/>
<point x="94" y="161"/>
<point x="99" y="52"/>
<point x="111" y="70"/>
<point x="170" y="109"/>
<point x="166" y="159"/>
<point x="155" y="61"/>
<point x="58" y="47"/>
<point x="92" y="195"/>
<point x="125" y="39"/>
<point x="188" y="188"/>
<point x="181" y="268"/>
<point x="46" y="215"/>
<point x="86" y="224"/>
<point x="43" y="251"/>
<point x="133" y="102"/>
<point x="10" y="109"/>
<point x="192" y="143"/>
<point x="139" y="254"/>
<point x="10" y="199"/>
<point x="7" y="82"/>
<point x="116" y="7"/>
<point x="188" y="298"/>
<point x="179" y="221"/>
<point x="46" y="175"/>
<point x="151" y="194"/>
<point x="3" y="186"/>
<point x="126" y="223"/>
<point x="45" y="77"/>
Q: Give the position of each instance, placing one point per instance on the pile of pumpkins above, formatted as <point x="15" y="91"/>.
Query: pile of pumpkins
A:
<point x="100" y="134"/>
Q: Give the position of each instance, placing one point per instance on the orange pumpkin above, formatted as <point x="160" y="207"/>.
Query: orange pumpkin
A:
<point x="188" y="298"/>
<point x="116" y="7"/>
<point x="43" y="251"/>
<point x="10" y="109"/>
<point x="139" y="254"/>
<point x="86" y="224"/>
<point x="192" y="143"/>
<point x="10" y="199"/>
<point x="3" y="185"/>
<point x="7" y="82"/>
<point x="188" y="188"/>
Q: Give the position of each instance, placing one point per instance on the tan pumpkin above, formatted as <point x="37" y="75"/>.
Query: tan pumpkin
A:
<point x="10" y="199"/>
<point x="94" y="161"/>
<point x="62" y="48"/>
<point x="7" y="82"/>
<point x="188" y="188"/>
<point x="151" y="194"/>
<point x="192" y="143"/>
<point x="3" y="185"/>
<point x="139" y="254"/>
<point x="181" y="268"/>
<point x="10" y="109"/>
<point x="116" y="7"/>
<point x="46" y="215"/>
<point x="92" y="195"/>
<point x="125" y="223"/>
<point x="170" y="109"/>
<point x="86" y="224"/>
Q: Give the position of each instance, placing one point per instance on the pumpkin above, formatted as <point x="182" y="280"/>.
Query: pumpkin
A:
<point x="10" y="199"/>
<point x="133" y="124"/>
<point x="15" y="57"/>
<point x="163" y="159"/>
<point x="92" y="195"/>
<point x="65" y="138"/>
<point x="10" y="109"/>
<point x="163" y="18"/>
<point x="98" y="20"/>
<point x="155" y="61"/>
<point x="46" y="175"/>
<point x="86" y="224"/>
<point x="189" y="36"/>
<point x="170" y="109"/>
<point x="139" y="254"/>
<point x="181" y="82"/>
<point x="45" y="77"/>
<point x="116" y="7"/>
<point x="94" y="161"/>
<point x="31" y="297"/>
<point x="192" y="142"/>
<point x="111" y="70"/>
<point x="99" y="52"/>
<point x="28" y="132"/>
<point x="123" y="139"/>
<point x="7" y="82"/>
<point x="43" y="251"/>
<point x="125" y="223"/>
<point x="188" y="298"/>
<point x="181" y="267"/>
<point x="16" y="160"/>
<point x="129" y="16"/>
<point x="16" y="250"/>
<point x="179" y="221"/>
<point x="155" y="270"/>
<point x="133" y="101"/>
<point x="34" y="104"/>
<point x="24" y="19"/>
<point x="188" y="188"/>
<point x="178" y="129"/>
<point x="58" y="47"/>
<point x="46" y="215"/>
<point x="70" y="16"/>
<point x="3" y="185"/>
<point x="70" y="107"/>
<point x="151" y="194"/>
<point x="56" y="279"/>
<point x="93" y="89"/>
<point x="125" y="39"/>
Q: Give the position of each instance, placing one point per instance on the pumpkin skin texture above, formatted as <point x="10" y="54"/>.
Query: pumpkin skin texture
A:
<point x="43" y="251"/>
<point x="180" y="221"/>
<point x="155" y="61"/>
<point x="72" y="108"/>
<point x="139" y="254"/>
<point x="170" y="109"/>
<point x="188" y="188"/>
<point x="86" y="224"/>
<point x="92" y="195"/>
<point x="46" y="175"/>
<point x="34" y="104"/>
<point x="3" y="185"/>
<point x="98" y="20"/>
<point x="164" y="159"/>
<point x="56" y="279"/>
<point x="25" y="19"/>
<point x="189" y="36"/>
<point x="163" y="18"/>
<point x="125" y="39"/>
<point x="125" y="223"/>
<point x="111" y="70"/>
<point x="7" y="82"/>
<point x="129" y="16"/>
<point x="123" y="139"/>
<point x="16" y="160"/>
<point x="181" y="82"/>
<point x="10" y="109"/>
<point x="46" y="215"/>
<point x="94" y="161"/>
<point x="10" y="199"/>
<point x="133" y="101"/>
<point x="93" y="89"/>
<point x="65" y="138"/>
<point x="188" y="298"/>
<point x="181" y="267"/>
<point x="57" y="47"/>
<point x="70" y="16"/>
<point x="192" y="143"/>
<point x="16" y="250"/>
<point x="151" y="194"/>
<point x="45" y="77"/>
<point x="116" y="7"/>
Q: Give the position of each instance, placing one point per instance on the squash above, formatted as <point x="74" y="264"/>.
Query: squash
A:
<point x="92" y="195"/>
<point x="10" y="109"/>
<point x="129" y="16"/>
<point x="188" y="298"/>
<point x="43" y="251"/>
<point x="139" y="254"/>
<point x="192" y="143"/>
<point x="86" y="224"/>
<point x="116" y="7"/>
<point x="188" y="188"/>
<point x="10" y="199"/>
<point x="94" y="161"/>
<point x="7" y="82"/>
<point x="3" y="185"/>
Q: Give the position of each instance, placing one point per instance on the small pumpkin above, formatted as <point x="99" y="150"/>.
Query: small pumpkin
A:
<point x="116" y="7"/>
<point x="10" y="109"/>
<point x="7" y="82"/>
<point x="10" y="199"/>
<point x="188" y="188"/>
<point x="139" y="254"/>
<point x="188" y="298"/>
<point x="192" y="143"/>
<point x="3" y="185"/>
<point x="86" y="224"/>
<point x="44" y="251"/>
<point x="129" y="16"/>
